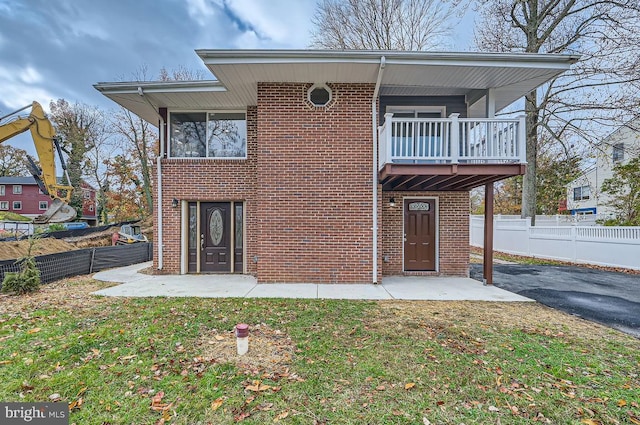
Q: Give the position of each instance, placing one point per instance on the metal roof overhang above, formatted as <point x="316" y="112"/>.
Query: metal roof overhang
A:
<point x="511" y="76"/>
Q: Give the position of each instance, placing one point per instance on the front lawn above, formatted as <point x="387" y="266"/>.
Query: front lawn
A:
<point x="172" y="360"/>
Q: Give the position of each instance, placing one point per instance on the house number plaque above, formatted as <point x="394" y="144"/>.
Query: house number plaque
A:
<point x="419" y="206"/>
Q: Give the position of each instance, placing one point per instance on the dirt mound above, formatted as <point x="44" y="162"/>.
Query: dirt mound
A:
<point x="18" y="249"/>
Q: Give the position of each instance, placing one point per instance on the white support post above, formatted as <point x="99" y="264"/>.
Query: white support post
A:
<point x="454" y="138"/>
<point x="522" y="139"/>
<point x="388" y="134"/>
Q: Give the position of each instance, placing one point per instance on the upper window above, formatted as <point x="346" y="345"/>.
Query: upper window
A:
<point x="17" y="205"/>
<point x="319" y="95"/>
<point x="1" y="190"/>
<point x="618" y="152"/>
<point x="581" y="193"/>
<point x="17" y="189"/>
<point x="208" y="135"/>
<point x="43" y="205"/>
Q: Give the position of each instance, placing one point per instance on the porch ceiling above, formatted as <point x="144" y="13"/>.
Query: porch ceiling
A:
<point x="405" y="73"/>
<point x="445" y="177"/>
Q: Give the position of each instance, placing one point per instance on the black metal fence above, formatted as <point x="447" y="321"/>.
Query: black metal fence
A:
<point x="83" y="261"/>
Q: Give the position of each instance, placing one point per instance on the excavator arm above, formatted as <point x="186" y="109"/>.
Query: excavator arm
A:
<point x="44" y="138"/>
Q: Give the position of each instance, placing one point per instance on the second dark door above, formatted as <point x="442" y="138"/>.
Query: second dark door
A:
<point x="419" y="235"/>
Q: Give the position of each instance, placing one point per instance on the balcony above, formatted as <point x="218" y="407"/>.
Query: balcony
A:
<point x="452" y="153"/>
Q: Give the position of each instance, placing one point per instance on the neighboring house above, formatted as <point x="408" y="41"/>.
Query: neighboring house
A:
<point x="584" y="194"/>
<point x="22" y="195"/>
<point x="330" y="166"/>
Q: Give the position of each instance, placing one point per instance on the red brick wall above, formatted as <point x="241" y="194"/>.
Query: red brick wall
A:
<point x="306" y="184"/>
<point x="453" y="216"/>
<point x="207" y="180"/>
<point x="315" y="214"/>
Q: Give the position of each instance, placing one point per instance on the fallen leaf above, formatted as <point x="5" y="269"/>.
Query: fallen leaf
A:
<point x="218" y="337"/>
<point x="281" y="416"/>
<point x="589" y="422"/>
<point x="76" y="404"/>
<point x="380" y="388"/>
<point x="34" y="330"/>
<point x="54" y="397"/>
<point x="215" y="405"/>
<point x="634" y="419"/>
<point x="622" y="403"/>
<point x="493" y="409"/>
<point x="426" y="421"/>
<point x="409" y="385"/>
<point x="5" y="362"/>
<point x="257" y="386"/>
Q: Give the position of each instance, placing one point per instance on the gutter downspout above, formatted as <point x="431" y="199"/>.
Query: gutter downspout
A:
<point x="374" y="125"/>
<point x="159" y="179"/>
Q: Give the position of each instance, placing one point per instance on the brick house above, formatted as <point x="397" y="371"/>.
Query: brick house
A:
<point x="330" y="166"/>
<point x="22" y="195"/>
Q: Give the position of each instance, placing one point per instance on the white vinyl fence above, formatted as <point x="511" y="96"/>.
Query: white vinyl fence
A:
<point x="15" y="228"/>
<point x="605" y="246"/>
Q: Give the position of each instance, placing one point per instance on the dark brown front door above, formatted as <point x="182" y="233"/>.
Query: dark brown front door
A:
<point x="215" y="237"/>
<point x="419" y="235"/>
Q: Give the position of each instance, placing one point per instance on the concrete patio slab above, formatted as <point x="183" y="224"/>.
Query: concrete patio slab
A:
<point x="135" y="284"/>
<point x="446" y="289"/>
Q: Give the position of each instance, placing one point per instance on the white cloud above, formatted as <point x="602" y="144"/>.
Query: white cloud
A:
<point x="18" y="88"/>
<point x="282" y="22"/>
<point x="29" y="75"/>
<point x="200" y="11"/>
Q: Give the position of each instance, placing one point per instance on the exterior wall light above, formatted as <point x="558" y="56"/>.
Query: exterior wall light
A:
<point x="174" y="203"/>
<point x="392" y="202"/>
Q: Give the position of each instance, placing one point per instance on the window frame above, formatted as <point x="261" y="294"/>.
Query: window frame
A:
<point x="45" y="203"/>
<point x="16" y="208"/>
<point x="207" y="112"/>
<point x="17" y="189"/>
<point x="581" y="190"/>
<point x="4" y="205"/>
<point x="2" y="190"/>
<point x="324" y="87"/>
<point x="617" y="153"/>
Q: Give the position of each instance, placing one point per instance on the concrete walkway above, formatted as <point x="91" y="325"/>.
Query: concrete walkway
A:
<point x="134" y="284"/>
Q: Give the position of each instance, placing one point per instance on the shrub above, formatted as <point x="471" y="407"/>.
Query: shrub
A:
<point x="28" y="278"/>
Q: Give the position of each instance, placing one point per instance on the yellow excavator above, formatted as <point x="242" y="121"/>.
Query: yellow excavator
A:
<point x="45" y="140"/>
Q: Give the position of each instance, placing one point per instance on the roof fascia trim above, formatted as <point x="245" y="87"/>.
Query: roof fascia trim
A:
<point x="161" y="87"/>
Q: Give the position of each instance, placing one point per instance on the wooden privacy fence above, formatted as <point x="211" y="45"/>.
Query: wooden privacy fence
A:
<point x="604" y="246"/>
<point x="83" y="261"/>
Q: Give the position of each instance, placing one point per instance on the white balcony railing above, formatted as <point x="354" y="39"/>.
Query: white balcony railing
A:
<point x="451" y="140"/>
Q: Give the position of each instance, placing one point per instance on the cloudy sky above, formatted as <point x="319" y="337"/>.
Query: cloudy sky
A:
<point x="51" y="49"/>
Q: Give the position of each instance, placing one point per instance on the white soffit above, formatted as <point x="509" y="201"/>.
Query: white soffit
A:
<point x="405" y="73"/>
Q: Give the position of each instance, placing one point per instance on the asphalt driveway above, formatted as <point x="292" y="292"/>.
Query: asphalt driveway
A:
<point x="610" y="298"/>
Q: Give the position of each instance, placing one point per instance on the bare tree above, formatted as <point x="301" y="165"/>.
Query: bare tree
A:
<point x="181" y="74"/>
<point x="136" y="138"/>
<point x="583" y="104"/>
<point x="383" y="24"/>
<point x="82" y="127"/>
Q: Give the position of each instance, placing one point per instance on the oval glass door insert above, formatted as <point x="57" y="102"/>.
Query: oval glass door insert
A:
<point x="216" y="227"/>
